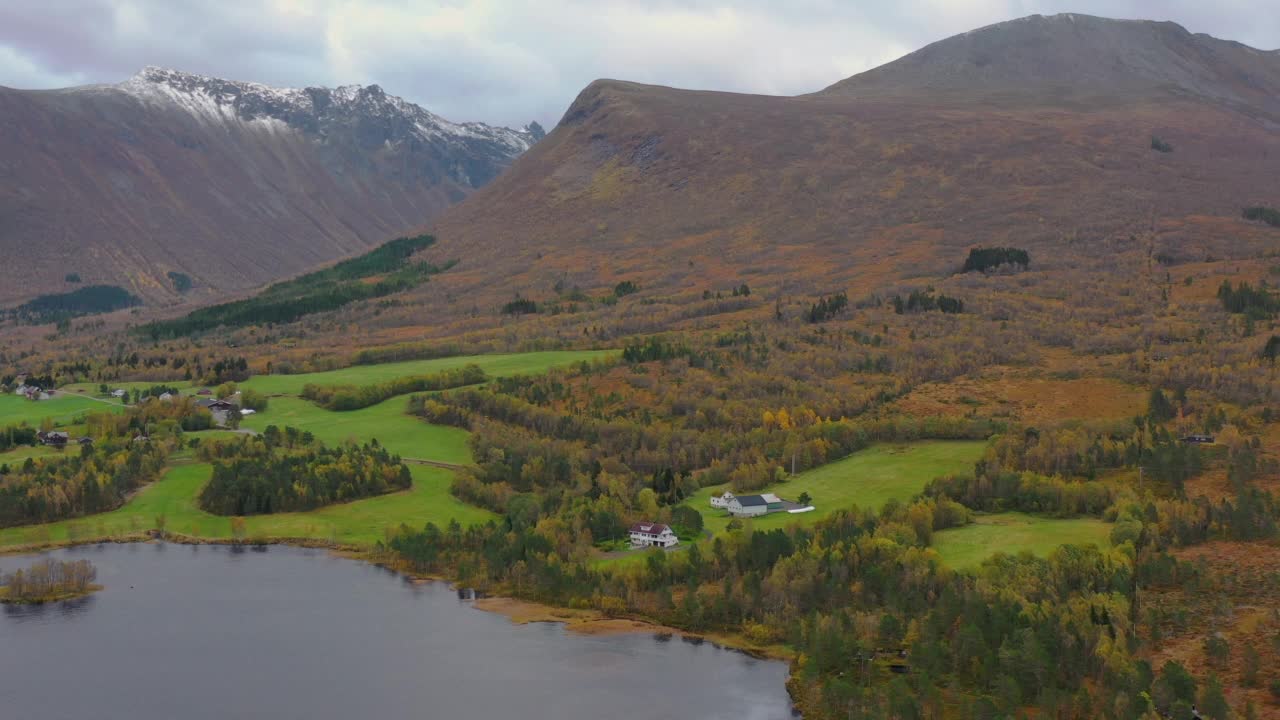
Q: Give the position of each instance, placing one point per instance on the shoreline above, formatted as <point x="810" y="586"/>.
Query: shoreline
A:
<point x="595" y="623"/>
<point x="43" y="599"/>
<point x="519" y="612"/>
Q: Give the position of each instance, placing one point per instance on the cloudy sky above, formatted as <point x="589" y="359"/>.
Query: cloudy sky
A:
<point x="512" y="61"/>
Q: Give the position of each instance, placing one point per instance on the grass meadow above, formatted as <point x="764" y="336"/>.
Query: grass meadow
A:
<point x="868" y="478"/>
<point x="1012" y="533"/>
<point x="173" y="496"/>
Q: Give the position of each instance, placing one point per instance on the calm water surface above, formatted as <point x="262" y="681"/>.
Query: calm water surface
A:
<point x="211" y="632"/>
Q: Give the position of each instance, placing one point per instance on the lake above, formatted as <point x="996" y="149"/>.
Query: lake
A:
<point x="208" y="631"/>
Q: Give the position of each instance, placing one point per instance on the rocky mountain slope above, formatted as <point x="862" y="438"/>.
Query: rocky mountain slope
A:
<point x="1035" y="133"/>
<point x="231" y="183"/>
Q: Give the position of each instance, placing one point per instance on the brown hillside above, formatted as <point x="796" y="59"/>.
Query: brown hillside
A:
<point x="234" y="184"/>
<point x="858" y="184"/>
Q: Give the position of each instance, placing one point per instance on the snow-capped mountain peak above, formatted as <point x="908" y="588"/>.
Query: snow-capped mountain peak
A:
<point x="378" y="117"/>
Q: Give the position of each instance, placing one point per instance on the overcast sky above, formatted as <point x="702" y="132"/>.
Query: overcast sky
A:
<point x="512" y="61"/>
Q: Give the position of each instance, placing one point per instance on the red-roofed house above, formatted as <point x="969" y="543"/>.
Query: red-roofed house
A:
<point x="653" y="535"/>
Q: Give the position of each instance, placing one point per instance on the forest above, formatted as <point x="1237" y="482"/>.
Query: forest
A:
<point x="85" y="481"/>
<point x="1065" y="635"/>
<point x="88" y="300"/>
<point x="288" y="471"/>
<point x="316" y="292"/>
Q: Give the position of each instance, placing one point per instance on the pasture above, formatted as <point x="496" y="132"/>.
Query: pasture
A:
<point x="387" y="421"/>
<point x="498" y="365"/>
<point x="1012" y="533"/>
<point x="868" y="479"/>
<point x="63" y="408"/>
<point x="173" y="496"/>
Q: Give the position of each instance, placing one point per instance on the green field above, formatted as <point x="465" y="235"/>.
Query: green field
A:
<point x="62" y="408"/>
<point x="868" y="479"/>
<point x="361" y="522"/>
<point x="1012" y="533"/>
<point x="174" y="496"/>
<point x="495" y="365"/>
<point x="22" y="452"/>
<point x="400" y="433"/>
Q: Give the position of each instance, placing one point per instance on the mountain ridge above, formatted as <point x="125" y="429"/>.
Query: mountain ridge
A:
<point x="846" y="187"/>
<point x="234" y="184"/>
<point x="1042" y="56"/>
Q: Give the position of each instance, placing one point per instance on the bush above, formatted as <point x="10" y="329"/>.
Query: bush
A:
<point x="983" y="259"/>
<point x="181" y="281"/>
<point x="520" y="306"/>
<point x="1160" y="145"/>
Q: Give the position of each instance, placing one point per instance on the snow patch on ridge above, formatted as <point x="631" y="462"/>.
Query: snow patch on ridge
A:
<point x="217" y="101"/>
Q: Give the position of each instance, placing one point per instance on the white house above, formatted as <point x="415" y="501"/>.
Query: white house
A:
<point x="721" y="502"/>
<point x="166" y="397"/>
<point x="117" y="393"/>
<point x="653" y="535"/>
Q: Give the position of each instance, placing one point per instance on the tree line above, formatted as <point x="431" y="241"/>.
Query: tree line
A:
<point x="355" y="397"/>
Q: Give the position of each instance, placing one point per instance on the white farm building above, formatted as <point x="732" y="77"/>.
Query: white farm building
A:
<point x="751" y="505"/>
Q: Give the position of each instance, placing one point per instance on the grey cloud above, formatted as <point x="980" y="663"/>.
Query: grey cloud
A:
<point x="515" y="61"/>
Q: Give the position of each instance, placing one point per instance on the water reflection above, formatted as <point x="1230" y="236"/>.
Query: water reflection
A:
<point x="282" y="625"/>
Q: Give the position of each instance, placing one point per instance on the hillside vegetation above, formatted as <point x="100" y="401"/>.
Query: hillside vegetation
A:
<point x="972" y="253"/>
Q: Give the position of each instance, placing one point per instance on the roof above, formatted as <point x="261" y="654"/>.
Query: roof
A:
<point x="207" y="403"/>
<point x="751" y="500"/>
<point x="649" y="528"/>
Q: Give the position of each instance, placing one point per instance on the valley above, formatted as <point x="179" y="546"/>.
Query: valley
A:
<point x="951" y="385"/>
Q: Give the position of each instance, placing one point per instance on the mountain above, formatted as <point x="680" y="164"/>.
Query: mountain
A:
<point x="1035" y="133"/>
<point x="1079" y="57"/>
<point x="232" y="184"/>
